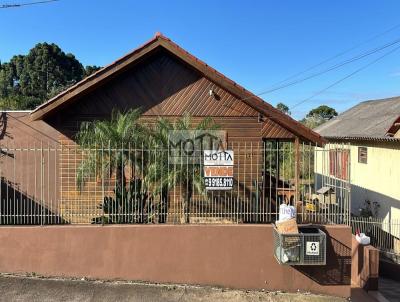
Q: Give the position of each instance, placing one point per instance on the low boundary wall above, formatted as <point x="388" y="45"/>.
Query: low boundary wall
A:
<point x="234" y="256"/>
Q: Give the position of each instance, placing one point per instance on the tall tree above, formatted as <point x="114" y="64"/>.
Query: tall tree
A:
<point x="28" y="80"/>
<point x="323" y="112"/>
<point x="90" y="69"/>
<point x="318" y="116"/>
<point x="284" y="108"/>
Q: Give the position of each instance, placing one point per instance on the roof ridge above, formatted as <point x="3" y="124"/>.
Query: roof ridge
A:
<point x="392" y="98"/>
<point x="239" y="91"/>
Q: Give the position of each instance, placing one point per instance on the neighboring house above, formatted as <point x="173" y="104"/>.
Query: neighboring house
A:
<point x="371" y="130"/>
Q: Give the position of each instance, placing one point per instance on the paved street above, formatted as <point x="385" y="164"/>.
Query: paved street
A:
<point x="390" y="289"/>
<point x="45" y="290"/>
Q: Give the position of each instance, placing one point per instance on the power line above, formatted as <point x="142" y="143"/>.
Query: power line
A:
<point x="353" y="59"/>
<point x="25" y="4"/>
<point x="346" y="77"/>
<point x="337" y="55"/>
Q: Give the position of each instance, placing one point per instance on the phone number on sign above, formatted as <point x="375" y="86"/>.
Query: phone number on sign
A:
<point x="218" y="183"/>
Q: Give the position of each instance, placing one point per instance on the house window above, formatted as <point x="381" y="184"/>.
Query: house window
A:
<point x="362" y="155"/>
<point x="339" y="163"/>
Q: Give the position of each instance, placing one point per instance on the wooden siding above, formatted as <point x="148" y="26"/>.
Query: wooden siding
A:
<point x="271" y="129"/>
<point x="163" y="86"/>
<point x="159" y="86"/>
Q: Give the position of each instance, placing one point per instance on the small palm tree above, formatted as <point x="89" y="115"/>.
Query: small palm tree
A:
<point x="162" y="175"/>
<point x="107" y="144"/>
<point x="109" y="147"/>
<point x="121" y="142"/>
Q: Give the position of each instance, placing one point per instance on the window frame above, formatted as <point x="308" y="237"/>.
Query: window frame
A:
<point x="339" y="163"/>
<point x="362" y="158"/>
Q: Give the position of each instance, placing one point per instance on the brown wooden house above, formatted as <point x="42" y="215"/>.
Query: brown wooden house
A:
<point x="163" y="80"/>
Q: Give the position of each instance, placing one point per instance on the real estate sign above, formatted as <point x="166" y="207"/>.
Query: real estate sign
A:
<point x="218" y="169"/>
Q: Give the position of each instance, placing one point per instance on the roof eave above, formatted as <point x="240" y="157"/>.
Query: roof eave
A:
<point x="362" y="138"/>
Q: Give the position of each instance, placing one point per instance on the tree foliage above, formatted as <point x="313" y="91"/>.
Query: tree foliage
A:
<point x="318" y="116"/>
<point x="323" y="112"/>
<point x="136" y="156"/>
<point x="120" y="132"/>
<point x="28" y="80"/>
<point x="370" y="209"/>
<point x="186" y="175"/>
<point x="90" y="69"/>
<point x="284" y="108"/>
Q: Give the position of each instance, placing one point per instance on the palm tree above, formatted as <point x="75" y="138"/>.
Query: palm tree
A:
<point x="123" y="142"/>
<point x="108" y="147"/>
<point x="107" y="144"/>
<point x="163" y="174"/>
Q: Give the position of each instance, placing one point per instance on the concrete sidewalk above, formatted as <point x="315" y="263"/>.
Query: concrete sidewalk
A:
<point x="18" y="288"/>
<point x="360" y="295"/>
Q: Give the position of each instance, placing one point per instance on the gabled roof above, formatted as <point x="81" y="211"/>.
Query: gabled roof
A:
<point x="99" y="77"/>
<point x="369" y="120"/>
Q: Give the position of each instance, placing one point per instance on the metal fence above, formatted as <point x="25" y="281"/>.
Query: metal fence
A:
<point x="384" y="234"/>
<point x="58" y="184"/>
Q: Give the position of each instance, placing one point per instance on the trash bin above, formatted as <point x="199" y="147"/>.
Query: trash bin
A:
<point x="308" y="247"/>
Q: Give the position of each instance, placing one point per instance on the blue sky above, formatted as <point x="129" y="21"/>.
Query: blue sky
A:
<point x="255" y="43"/>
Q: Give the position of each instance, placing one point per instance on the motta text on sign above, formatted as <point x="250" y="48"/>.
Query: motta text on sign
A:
<point x="218" y="169"/>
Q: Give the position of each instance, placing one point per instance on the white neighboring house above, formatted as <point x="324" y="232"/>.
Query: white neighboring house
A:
<point x="371" y="129"/>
